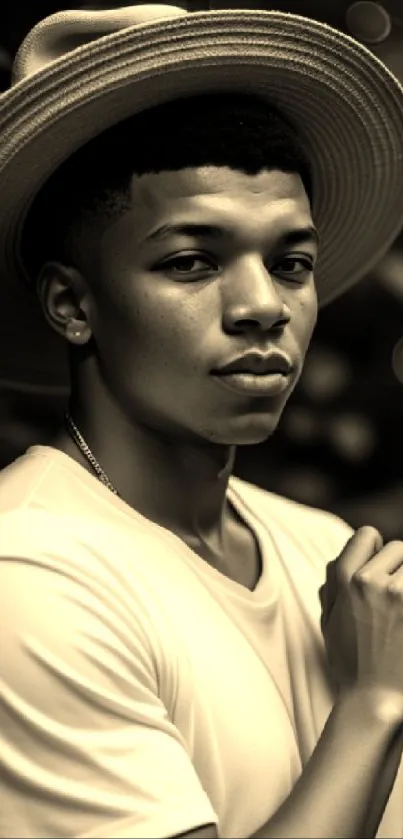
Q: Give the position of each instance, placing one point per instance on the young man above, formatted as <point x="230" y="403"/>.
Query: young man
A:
<point x="180" y="190"/>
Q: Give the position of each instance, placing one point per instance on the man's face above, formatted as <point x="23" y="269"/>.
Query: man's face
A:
<point x="201" y="271"/>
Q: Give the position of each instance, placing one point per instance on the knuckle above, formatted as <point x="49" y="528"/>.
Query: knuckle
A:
<point x="361" y="579"/>
<point x="343" y="579"/>
<point x="394" y="589"/>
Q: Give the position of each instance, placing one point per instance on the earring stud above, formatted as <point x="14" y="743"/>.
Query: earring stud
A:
<point x="73" y="331"/>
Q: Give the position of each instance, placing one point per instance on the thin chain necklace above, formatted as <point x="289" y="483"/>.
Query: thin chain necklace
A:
<point x="78" y="439"/>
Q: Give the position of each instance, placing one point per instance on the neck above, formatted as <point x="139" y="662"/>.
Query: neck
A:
<point x="179" y="485"/>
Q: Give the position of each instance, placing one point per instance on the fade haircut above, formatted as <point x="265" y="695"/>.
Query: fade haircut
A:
<point x="91" y="189"/>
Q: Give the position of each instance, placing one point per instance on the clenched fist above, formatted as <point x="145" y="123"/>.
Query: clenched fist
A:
<point x="362" y="616"/>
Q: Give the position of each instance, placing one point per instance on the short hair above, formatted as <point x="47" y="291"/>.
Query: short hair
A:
<point x="239" y="131"/>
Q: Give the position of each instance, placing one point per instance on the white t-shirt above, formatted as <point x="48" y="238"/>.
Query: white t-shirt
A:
<point x="142" y="692"/>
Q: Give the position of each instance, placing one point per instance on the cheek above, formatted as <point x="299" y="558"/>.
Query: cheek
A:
<point x="153" y="329"/>
<point x="306" y="317"/>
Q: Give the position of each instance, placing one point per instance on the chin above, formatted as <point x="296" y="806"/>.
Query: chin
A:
<point x="247" y="430"/>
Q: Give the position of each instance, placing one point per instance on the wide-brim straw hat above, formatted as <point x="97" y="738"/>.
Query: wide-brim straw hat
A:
<point x="79" y="72"/>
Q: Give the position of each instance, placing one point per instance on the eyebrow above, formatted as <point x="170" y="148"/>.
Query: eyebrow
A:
<point x="204" y="231"/>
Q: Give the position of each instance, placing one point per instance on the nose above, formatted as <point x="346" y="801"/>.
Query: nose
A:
<point x="252" y="299"/>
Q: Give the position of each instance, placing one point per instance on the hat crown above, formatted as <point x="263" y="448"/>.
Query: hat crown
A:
<point x="59" y="34"/>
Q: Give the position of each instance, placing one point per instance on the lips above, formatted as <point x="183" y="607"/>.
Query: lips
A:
<point x="252" y="385"/>
<point x="258" y="364"/>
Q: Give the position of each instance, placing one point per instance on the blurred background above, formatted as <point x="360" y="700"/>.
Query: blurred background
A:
<point x="339" y="445"/>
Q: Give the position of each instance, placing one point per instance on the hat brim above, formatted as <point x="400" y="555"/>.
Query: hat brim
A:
<point x="347" y="107"/>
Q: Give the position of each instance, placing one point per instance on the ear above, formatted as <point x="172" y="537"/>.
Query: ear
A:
<point x="65" y="299"/>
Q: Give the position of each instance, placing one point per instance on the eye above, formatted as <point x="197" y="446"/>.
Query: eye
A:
<point x="296" y="266"/>
<point x="188" y="264"/>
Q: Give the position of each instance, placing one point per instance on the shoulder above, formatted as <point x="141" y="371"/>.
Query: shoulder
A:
<point x="69" y="566"/>
<point x="50" y="508"/>
<point x="285" y="509"/>
<point x="309" y="528"/>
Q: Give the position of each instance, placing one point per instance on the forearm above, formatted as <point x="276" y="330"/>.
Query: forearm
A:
<point x="344" y="788"/>
<point x="384" y="785"/>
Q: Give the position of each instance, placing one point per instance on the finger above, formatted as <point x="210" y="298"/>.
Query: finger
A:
<point x="325" y="591"/>
<point x="331" y="585"/>
<point x="323" y="598"/>
<point x="395" y="584"/>
<point x="328" y="591"/>
<point x="362" y="546"/>
<point x="387" y="561"/>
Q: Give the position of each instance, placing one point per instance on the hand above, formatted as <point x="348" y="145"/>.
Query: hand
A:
<point x="336" y="627"/>
<point x="362" y="614"/>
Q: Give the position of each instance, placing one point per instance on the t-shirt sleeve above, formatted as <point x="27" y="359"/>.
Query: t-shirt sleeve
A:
<point x="86" y="745"/>
<point x="336" y="535"/>
<point x="326" y="536"/>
